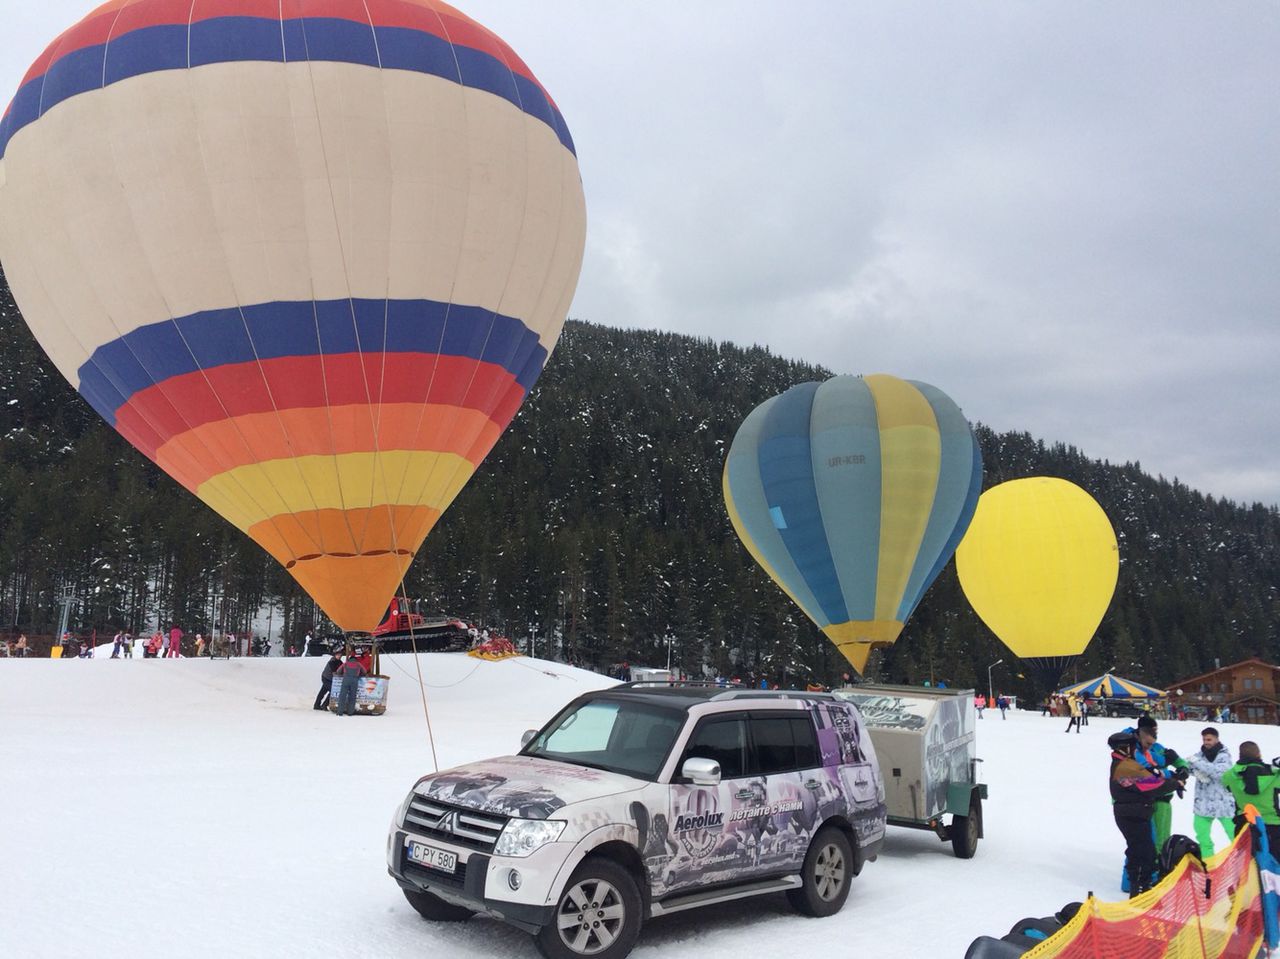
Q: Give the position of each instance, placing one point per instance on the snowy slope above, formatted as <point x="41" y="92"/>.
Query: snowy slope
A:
<point x="157" y="808"/>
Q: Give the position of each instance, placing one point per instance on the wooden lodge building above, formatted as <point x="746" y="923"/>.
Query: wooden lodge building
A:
<point x="1248" y="689"/>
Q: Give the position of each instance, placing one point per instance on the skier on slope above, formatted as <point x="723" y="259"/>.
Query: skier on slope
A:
<point x="1135" y="790"/>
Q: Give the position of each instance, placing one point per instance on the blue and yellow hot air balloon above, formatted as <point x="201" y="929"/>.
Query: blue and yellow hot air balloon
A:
<point x="309" y="256"/>
<point x="853" y="494"/>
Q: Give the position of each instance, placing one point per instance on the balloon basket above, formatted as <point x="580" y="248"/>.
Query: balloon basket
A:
<point x="371" y="697"/>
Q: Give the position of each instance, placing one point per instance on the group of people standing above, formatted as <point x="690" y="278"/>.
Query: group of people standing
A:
<point x="162" y="644"/>
<point x="1146" y="775"/>
<point x="356" y="666"/>
<point x="1001" y="702"/>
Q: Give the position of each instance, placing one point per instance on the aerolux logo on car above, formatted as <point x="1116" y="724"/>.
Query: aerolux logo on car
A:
<point x="707" y="820"/>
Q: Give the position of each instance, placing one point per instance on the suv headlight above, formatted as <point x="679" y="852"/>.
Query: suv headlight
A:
<point x="524" y="836"/>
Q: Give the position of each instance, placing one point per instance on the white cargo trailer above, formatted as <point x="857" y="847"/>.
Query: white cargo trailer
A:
<point x="925" y="743"/>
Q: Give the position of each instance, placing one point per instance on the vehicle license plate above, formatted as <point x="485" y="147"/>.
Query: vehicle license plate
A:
<point x="432" y="857"/>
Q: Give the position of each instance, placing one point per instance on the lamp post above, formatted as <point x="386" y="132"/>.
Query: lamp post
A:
<point x="990" y="688"/>
<point x="669" y="638"/>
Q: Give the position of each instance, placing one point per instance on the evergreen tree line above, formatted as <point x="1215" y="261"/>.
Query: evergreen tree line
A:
<point x="596" y="528"/>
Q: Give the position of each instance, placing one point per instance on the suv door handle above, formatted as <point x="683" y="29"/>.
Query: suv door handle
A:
<point x="812" y="784"/>
<point x="744" y="794"/>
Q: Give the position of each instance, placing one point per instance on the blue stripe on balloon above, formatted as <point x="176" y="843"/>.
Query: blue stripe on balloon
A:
<point x="786" y="473"/>
<point x="232" y="39"/>
<point x="844" y="436"/>
<point x="158" y="351"/>
<point x="962" y="525"/>
<point x="951" y="489"/>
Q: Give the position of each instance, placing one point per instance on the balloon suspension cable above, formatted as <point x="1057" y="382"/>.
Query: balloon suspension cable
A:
<point x="422" y="686"/>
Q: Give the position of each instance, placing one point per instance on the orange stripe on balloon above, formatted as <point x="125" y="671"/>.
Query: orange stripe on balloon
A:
<point x="292" y="538"/>
<point x="199" y="454"/>
<point x="353" y="590"/>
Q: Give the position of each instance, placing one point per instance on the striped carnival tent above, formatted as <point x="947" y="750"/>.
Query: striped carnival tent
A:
<point x="308" y="256"/>
<point x="1108" y="686"/>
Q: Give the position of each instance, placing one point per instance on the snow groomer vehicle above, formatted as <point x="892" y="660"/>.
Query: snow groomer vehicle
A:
<point x="926" y="744"/>
<point x="642" y="800"/>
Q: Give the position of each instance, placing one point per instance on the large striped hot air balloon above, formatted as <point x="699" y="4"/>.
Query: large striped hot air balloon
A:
<point x="852" y="494"/>
<point x="309" y="256"/>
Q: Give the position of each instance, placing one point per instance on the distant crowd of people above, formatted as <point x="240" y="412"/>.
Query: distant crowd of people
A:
<point x="15" y="649"/>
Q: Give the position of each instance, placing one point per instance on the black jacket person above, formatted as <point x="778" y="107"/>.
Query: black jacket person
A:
<point x="1134" y="791"/>
<point x="326" y="680"/>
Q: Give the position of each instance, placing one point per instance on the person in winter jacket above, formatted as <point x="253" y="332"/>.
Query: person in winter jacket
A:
<point x="1251" y="781"/>
<point x="173" y="648"/>
<point x="1073" y="705"/>
<point x="1160" y="759"/>
<point x="326" y="680"/>
<point x="352" y="671"/>
<point x="1213" y="801"/>
<point x="1134" y="792"/>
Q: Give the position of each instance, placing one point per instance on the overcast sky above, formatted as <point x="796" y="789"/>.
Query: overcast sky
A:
<point x="1065" y="215"/>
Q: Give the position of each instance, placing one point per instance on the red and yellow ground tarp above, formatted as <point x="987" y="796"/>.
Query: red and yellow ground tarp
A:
<point x="496" y="648"/>
<point x="1181" y="918"/>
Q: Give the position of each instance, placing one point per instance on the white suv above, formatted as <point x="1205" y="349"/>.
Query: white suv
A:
<point x="642" y="800"/>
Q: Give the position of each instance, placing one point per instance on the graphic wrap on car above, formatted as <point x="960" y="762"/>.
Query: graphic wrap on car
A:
<point x="522" y="786"/>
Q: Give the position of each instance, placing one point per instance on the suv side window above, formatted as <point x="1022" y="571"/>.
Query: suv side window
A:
<point x="783" y="744"/>
<point x="721" y="739"/>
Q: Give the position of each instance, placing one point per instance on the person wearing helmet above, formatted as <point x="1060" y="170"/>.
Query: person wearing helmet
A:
<point x="1164" y="762"/>
<point x="1134" y="792"/>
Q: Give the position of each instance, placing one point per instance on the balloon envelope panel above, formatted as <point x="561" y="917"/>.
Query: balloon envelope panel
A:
<point x="309" y="257"/>
<point x="1039" y="565"/>
<point x="849" y="493"/>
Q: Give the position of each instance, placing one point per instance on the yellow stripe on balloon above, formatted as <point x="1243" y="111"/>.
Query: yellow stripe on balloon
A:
<point x="250" y="494"/>
<point x="857" y="638"/>
<point x="911" y="458"/>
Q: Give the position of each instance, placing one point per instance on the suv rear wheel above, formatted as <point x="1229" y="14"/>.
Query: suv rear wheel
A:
<point x="597" y="915"/>
<point x="436" y="909"/>
<point x="827" y="871"/>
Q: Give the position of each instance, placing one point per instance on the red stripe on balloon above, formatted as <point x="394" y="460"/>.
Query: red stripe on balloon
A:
<point x="114" y="19"/>
<point x="180" y="403"/>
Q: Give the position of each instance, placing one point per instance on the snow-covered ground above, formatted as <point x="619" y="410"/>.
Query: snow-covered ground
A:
<point x="202" y="808"/>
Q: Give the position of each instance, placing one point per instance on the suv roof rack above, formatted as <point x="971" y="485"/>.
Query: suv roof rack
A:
<point x="678" y="684"/>
<point x="743" y="693"/>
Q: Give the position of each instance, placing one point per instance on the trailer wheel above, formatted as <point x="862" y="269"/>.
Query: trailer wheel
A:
<point x="965" y="830"/>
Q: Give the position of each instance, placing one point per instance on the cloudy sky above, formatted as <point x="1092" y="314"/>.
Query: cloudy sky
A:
<point x="1064" y="214"/>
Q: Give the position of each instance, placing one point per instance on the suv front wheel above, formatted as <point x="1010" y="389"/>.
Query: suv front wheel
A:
<point x="597" y="915"/>
<point x="826" y="873"/>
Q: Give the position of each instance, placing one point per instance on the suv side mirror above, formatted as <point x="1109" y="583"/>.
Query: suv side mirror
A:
<point x="527" y="736"/>
<point x="702" y="772"/>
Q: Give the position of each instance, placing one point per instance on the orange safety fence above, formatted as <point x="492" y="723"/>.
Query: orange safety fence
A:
<point x="1183" y="917"/>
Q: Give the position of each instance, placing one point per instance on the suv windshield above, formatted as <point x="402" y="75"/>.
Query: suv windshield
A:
<point x="615" y="735"/>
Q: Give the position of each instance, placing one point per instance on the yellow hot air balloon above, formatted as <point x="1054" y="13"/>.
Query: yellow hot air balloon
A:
<point x="1039" y="565"/>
